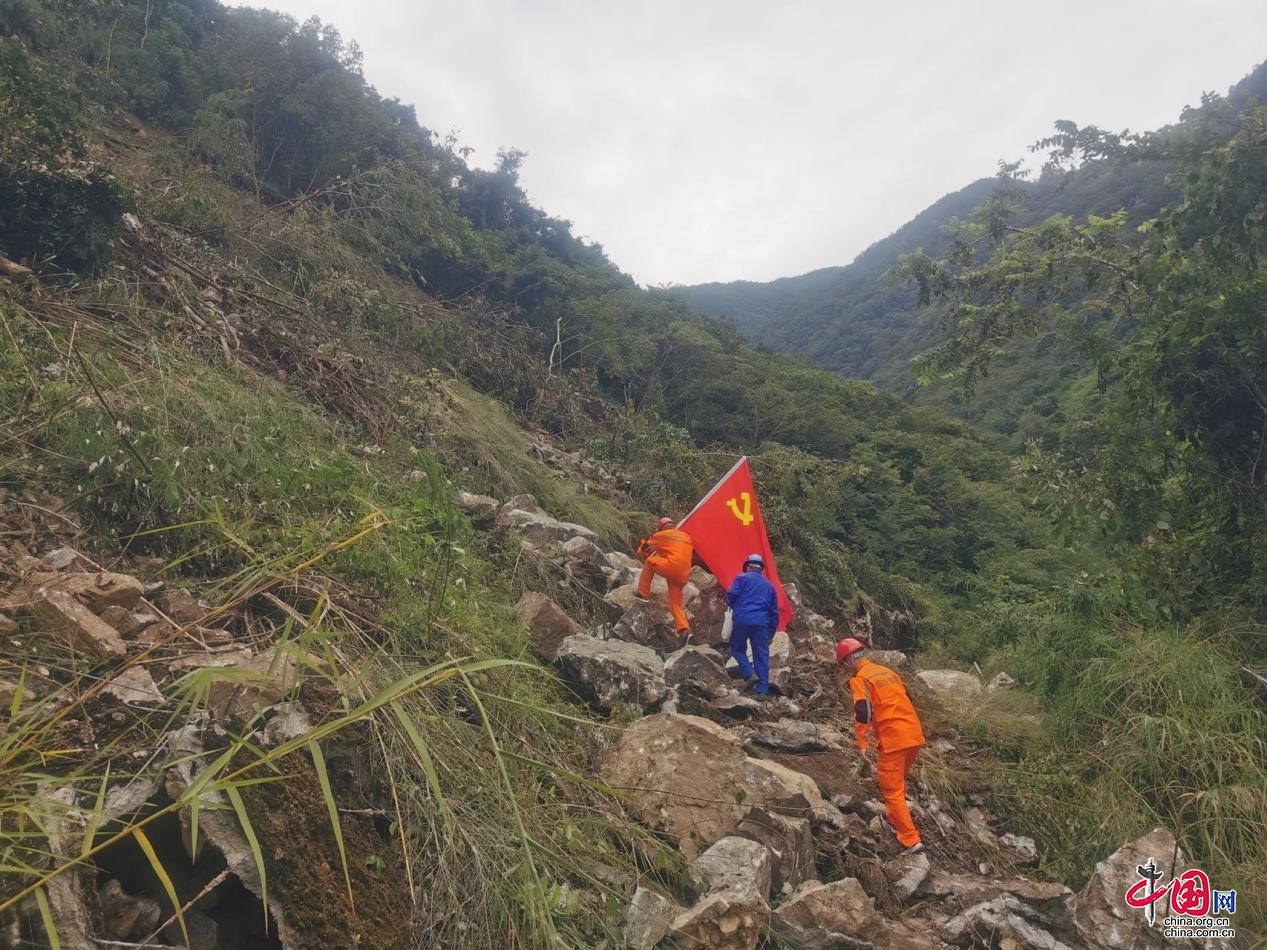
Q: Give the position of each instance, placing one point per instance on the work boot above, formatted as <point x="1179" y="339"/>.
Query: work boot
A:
<point x="916" y="848"/>
<point x="751" y="681"/>
<point x="688" y="638"/>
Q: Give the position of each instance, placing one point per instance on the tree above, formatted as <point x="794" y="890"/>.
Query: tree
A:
<point x="1172" y="319"/>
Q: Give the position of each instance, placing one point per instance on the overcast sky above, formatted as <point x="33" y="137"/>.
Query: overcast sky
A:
<point x="701" y="140"/>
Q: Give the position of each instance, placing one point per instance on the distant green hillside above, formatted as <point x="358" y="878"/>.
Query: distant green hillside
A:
<point x="850" y="321"/>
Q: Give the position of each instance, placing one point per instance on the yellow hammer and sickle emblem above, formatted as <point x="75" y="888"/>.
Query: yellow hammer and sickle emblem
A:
<point x="744" y="513"/>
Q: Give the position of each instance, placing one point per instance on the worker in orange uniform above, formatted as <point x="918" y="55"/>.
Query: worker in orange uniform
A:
<point x="668" y="552"/>
<point x="882" y="710"/>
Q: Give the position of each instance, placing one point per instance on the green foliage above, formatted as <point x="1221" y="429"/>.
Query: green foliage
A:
<point x="1149" y="727"/>
<point x="60" y="210"/>
<point x="1172" y="327"/>
<point x="235" y="482"/>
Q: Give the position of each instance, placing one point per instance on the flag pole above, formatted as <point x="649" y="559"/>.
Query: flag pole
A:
<point x="720" y="481"/>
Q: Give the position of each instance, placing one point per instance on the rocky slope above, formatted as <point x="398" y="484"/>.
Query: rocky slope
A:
<point x="786" y="843"/>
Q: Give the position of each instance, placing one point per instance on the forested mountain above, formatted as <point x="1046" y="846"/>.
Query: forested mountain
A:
<point x="262" y="328"/>
<point x="854" y="322"/>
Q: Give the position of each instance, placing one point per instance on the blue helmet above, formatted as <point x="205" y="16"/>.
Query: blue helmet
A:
<point x="754" y="560"/>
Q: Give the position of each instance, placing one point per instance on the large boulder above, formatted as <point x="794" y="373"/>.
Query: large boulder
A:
<point x="736" y="865"/>
<point x="626" y="566"/>
<point x="645" y="622"/>
<point x="969" y="889"/>
<point x="678" y="773"/>
<point x="547" y="624"/>
<point x="780" y="650"/>
<point x="582" y="551"/>
<point x="829" y="916"/>
<point x="721" y="922"/>
<point x="697" y="665"/>
<point x="705" y="602"/>
<point x="1004" y="921"/>
<point x="1100" y="912"/>
<point x="908" y="873"/>
<point x="649" y="918"/>
<point x="794" y="736"/>
<point x="952" y="684"/>
<point x="789" y="840"/>
<point x="734" y="911"/>
<point x="611" y="672"/>
<point x="541" y="530"/>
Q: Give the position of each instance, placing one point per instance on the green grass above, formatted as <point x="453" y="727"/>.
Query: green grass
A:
<point x="257" y="499"/>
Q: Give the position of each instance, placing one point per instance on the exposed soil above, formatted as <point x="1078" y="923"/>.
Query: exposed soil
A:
<point x="305" y="872"/>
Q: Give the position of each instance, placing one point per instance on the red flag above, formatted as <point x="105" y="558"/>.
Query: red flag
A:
<point x="726" y="527"/>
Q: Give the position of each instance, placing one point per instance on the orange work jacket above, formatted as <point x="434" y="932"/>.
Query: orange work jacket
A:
<point x="670" y="551"/>
<point x="881" y="706"/>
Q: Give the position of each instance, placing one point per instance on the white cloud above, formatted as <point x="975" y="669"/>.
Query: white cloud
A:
<point x="718" y="140"/>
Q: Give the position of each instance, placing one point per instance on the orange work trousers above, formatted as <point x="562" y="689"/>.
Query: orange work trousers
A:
<point x="890" y="775"/>
<point x="675" y="592"/>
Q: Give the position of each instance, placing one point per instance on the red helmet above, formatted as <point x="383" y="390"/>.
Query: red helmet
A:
<point x="847" y="648"/>
<point x="665" y="523"/>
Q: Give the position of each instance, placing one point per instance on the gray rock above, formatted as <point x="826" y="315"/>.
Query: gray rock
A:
<point x="1100" y="912"/>
<point x="1004" y="917"/>
<point x="1001" y="681"/>
<point x="481" y="508"/>
<point x="611" y="672"/>
<point x="135" y="685"/>
<point x="584" y="551"/>
<point x="950" y="683"/>
<point x="678" y="772"/>
<point x="695" y="664"/>
<point x="649" y="918"/>
<point x="738" y="867"/>
<point x="645" y="622"/>
<point x="64" y="559"/>
<point x="789" y="841"/>
<point x="1026" y="849"/>
<point x="780" y="650"/>
<point x="547" y="623"/>
<point x="911" y="871"/>
<point x="828" y="917"/>
<point x="789" y="735"/>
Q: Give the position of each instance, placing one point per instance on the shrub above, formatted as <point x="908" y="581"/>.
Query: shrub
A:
<point x="60" y="211"/>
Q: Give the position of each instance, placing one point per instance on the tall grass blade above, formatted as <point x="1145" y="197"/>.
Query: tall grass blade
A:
<point x="323" y="776"/>
<point x="46" y="915"/>
<point x="257" y="853"/>
<point x="161" y="873"/>
<point x="428" y="766"/>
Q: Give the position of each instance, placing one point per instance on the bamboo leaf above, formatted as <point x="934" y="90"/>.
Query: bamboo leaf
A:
<point x="323" y="776"/>
<point x="161" y="873"/>
<point x="95" y="815"/>
<point x="427" y="763"/>
<point x="257" y="853"/>
<point x="46" y="915"/>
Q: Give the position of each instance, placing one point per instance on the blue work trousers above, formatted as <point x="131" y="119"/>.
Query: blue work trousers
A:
<point x="743" y="634"/>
